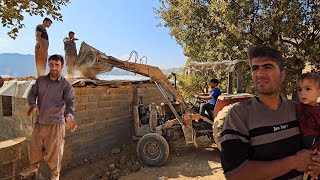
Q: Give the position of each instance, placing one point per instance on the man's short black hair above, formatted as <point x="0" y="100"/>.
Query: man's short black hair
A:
<point x="47" y="19"/>
<point x="56" y="57"/>
<point x="71" y="32"/>
<point x="215" y="81"/>
<point x="264" y="51"/>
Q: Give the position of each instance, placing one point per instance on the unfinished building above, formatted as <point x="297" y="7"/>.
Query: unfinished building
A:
<point x="103" y="114"/>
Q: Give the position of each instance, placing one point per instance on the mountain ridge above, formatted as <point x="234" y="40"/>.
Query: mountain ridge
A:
<point x="22" y="65"/>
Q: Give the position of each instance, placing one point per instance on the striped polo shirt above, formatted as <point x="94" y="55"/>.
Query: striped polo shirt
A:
<point x="252" y="131"/>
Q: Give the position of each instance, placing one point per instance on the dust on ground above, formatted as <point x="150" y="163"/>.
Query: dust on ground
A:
<point x="183" y="163"/>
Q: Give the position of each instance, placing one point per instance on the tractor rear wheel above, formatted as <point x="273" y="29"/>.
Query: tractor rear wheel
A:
<point x="218" y="124"/>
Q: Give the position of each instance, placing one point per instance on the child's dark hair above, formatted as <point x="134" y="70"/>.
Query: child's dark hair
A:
<point x="310" y="76"/>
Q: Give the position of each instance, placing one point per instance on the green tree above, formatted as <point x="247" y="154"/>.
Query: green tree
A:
<point x="216" y="30"/>
<point x="12" y="12"/>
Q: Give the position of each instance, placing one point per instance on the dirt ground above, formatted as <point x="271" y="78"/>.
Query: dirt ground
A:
<point x="183" y="163"/>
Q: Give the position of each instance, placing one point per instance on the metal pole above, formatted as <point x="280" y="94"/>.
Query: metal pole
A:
<point x="169" y="103"/>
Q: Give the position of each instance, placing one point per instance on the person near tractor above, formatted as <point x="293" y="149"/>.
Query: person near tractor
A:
<point x="52" y="98"/>
<point x="260" y="137"/>
<point x="211" y="97"/>
<point x="308" y="110"/>
<point x="70" y="53"/>
<point x="42" y="46"/>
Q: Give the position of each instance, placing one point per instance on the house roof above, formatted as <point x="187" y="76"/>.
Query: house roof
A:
<point x="228" y="66"/>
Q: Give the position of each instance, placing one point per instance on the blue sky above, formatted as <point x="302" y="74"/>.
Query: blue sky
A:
<point x="115" y="27"/>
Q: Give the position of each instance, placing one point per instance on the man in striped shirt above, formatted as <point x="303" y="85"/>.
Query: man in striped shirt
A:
<point x="261" y="138"/>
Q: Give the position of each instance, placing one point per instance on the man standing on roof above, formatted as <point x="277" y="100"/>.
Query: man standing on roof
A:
<point x="42" y="46"/>
<point x="70" y="53"/>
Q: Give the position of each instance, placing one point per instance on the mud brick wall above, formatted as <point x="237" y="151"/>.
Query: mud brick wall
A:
<point x="13" y="158"/>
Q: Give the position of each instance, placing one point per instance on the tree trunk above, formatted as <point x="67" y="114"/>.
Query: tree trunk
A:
<point x="230" y="83"/>
<point x="239" y="79"/>
<point x="295" y="96"/>
<point x="301" y="65"/>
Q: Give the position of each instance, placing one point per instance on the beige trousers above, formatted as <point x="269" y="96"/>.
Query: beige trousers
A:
<point x="41" y="56"/>
<point x="70" y="60"/>
<point x="47" y="144"/>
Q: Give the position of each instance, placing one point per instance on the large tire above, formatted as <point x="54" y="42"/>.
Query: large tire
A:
<point x="153" y="149"/>
<point x="218" y="124"/>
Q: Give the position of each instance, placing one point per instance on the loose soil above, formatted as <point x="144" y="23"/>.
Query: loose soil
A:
<point x="184" y="163"/>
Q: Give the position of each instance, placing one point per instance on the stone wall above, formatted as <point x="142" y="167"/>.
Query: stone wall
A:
<point x="13" y="158"/>
<point x="103" y="114"/>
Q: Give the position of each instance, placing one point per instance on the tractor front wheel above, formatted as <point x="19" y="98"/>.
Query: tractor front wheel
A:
<point x="153" y="149"/>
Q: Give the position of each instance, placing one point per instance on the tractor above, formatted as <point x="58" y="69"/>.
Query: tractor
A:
<point x="154" y="125"/>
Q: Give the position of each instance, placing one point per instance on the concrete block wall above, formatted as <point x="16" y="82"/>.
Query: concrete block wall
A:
<point x="25" y="123"/>
<point x="18" y="124"/>
<point x="150" y="93"/>
<point x="104" y="117"/>
<point x="103" y="114"/>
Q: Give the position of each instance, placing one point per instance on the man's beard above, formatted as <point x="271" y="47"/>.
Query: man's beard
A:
<point x="54" y="74"/>
<point x="267" y="90"/>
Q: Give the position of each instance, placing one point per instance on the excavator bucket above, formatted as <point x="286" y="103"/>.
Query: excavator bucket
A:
<point x="91" y="62"/>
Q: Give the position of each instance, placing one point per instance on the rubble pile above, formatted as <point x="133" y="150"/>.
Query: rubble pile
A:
<point x="117" y="162"/>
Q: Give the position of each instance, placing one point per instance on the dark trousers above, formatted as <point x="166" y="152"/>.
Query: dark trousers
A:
<point x="207" y="107"/>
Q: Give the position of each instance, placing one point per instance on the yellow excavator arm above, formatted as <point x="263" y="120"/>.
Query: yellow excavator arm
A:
<point x="91" y="62"/>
